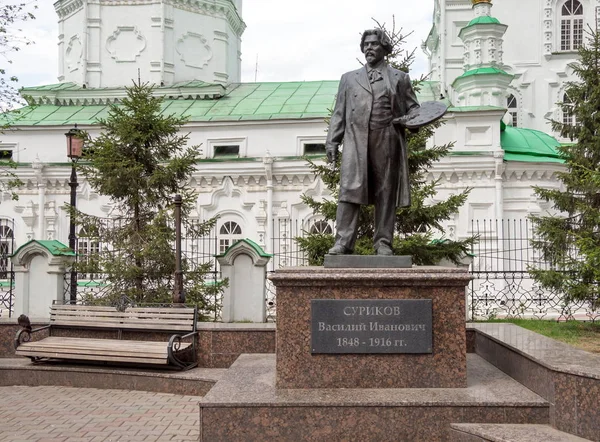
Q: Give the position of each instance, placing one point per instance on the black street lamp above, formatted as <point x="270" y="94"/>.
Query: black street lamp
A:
<point x="74" y="152"/>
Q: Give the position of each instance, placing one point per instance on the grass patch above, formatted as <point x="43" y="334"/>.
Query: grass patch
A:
<point x="584" y="335"/>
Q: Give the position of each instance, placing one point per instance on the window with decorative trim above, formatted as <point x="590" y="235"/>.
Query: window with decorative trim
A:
<point x="568" y="117"/>
<point x="513" y="109"/>
<point x="310" y="145"/>
<point x="226" y="148"/>
<point x="227" y="151"/>
<point x="6" y="250"/>
<point x="8" y="152"/>
<point x="314" y="148"/>
<point x="88" y="249"/>
<point x="321" y="227"/>
<point x="229" y="233"/>
<point x="571" y="25"/>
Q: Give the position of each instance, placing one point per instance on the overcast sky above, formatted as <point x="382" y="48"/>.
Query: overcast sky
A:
<point x="294" y="40"/>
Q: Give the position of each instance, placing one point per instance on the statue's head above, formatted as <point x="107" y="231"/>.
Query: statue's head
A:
<point x="381" y="36"/>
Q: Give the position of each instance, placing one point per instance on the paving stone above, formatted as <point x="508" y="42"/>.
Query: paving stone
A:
<point x="64" y="414"/>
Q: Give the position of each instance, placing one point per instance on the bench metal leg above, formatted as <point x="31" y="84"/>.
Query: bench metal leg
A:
<point x="174" y="348"/>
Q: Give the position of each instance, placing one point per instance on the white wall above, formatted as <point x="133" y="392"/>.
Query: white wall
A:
<point x="105" y="44"/>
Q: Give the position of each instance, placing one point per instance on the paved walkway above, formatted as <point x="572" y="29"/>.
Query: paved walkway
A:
<point x="36" y="414"/>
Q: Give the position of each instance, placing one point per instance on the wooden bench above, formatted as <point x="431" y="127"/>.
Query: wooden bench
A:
<point x="172" y="352"/>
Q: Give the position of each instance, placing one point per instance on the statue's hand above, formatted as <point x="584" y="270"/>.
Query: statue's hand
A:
<point x="332" y="153"/>
<point x="403" y="120"/>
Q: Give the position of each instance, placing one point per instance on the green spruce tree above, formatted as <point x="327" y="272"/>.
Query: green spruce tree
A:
<point x="140" y="160"/>
<point x="570" y="240"/>
<point x="419" y="228"/>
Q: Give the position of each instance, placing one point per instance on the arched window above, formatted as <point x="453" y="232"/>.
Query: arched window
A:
<point x="88" y="249"/>
<point x="321" y="227"/>
<point x="568" y="117"/>
<point x="513" y="109"/>
<point x="229" y="233"/>
<point x="571" y="26"/>
<point x="6" y="249"/>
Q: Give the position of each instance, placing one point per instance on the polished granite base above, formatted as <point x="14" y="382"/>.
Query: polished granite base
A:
<point x="194" y="382"/>
<point x="443" y="367"/>
<point x="245" y="406"/>
<point x="568" y="378"/>
<point x="367" y="262"/>
<point x="509" y="433"/>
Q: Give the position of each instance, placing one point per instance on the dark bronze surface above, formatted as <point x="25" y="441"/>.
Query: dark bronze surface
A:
<point x="429" y="112"/>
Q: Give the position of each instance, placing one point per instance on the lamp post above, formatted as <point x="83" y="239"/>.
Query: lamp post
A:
<point x="178" y="292"/>
<point x="74" y="152"/>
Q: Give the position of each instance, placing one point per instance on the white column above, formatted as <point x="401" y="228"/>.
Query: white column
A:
<point x="38" y="168"/>
<point x="268" y="162"/>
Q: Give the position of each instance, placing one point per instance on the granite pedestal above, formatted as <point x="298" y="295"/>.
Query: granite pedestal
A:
<point x="299" y="367"/>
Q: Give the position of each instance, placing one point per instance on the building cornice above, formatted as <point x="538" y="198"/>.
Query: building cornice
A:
<point x="66" y="7"/>
<point x="78" y="96"/>
<point x="225" y="8"/>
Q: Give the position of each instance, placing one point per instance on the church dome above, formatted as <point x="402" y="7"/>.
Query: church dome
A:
<point x="529" y="145"/>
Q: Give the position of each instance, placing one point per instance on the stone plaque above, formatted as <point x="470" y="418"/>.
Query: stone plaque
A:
<point x="371" y="326"/>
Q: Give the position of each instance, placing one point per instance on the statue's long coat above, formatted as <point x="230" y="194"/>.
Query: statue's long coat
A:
<point x="350" y="125"/>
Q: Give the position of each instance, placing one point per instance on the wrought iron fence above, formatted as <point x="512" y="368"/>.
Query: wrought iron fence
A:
<point x="502" y="285"/>
<point x="7" y="274"/>
<point x="287" y="253"/>
<point x="93" y="284"/>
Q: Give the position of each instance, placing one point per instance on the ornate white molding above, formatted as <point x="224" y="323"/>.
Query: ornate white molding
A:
<point x="120" y="47"/>
<point x="194" y="50"/>
<point x="548" y="28"/>
<point x="74" y="53"/>
<point x="67" y="7"/>
<point x="51" y="216"/>
<point x="228" y="190"/>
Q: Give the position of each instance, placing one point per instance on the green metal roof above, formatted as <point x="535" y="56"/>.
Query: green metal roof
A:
<point x="483" y="20"/>
<point x="529" y="145"/>
<point x="245" y="101"/>
<point x="259" y="250"/>
<point x="241" y="102"/>
<point x="482" y="71"/>
<point x="56" y="248"/>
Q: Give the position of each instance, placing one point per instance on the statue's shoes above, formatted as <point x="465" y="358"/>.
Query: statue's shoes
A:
<point x="339" y="250"/>
<point x="385" y="251"/>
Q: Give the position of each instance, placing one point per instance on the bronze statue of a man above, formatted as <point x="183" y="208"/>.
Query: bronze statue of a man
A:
<point x="375" y="162"/>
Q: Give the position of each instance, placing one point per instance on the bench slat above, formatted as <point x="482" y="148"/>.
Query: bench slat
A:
<point x="83" y="323"/>
<point x="84" y="319"/>
<point x="91" y="308"/>
<point x="89" y="351"/>
<point x="150" y="321"/>
<point x="159" y="315"/>
<point x="156" y="327"/>
<point x="150" y="326"/>
<point x="101" y="344"/>
<point x="160" y="309"/>
<point x="85" y="357"/>
<point x="86" y="313"/>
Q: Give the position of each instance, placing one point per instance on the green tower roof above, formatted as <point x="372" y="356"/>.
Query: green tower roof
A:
<point x="529" y="145"/>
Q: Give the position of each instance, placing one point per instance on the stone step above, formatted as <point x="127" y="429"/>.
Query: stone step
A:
<point x="246" y="406"/>
<point x="194" y="382"/>
<point x="509" y="433"/>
